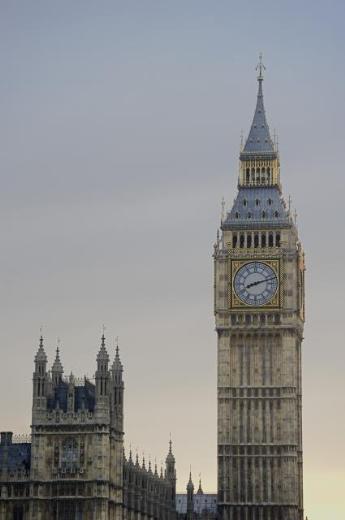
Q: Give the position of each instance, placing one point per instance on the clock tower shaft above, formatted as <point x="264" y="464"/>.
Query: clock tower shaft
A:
<point x="260" y="330"/>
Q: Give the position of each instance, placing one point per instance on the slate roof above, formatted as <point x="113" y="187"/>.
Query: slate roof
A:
<point x="202" y="502"/>
<point x="82" y="394"/>
<point x="257" y="207"/>
<point x="15" y="456"/>
<point x="259" y="141"/>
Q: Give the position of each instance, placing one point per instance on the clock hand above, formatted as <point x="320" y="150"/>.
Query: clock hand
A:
<point x="260" y="281"/>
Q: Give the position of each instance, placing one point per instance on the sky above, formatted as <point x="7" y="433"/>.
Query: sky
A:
<point x="120" y="128"/>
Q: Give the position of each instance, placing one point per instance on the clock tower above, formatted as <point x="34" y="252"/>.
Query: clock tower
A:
<point x="259" y="312"/>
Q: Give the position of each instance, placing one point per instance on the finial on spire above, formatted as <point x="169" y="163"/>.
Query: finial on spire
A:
<point x="222" y="215"/>
<point x="260" y="68"/>
<point x="103" y="335"/>
<point x="289" y="202"/>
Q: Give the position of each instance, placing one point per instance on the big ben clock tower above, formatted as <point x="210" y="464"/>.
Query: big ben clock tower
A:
<point x="259" y="311"/>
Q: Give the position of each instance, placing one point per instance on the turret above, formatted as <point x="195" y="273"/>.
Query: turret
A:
<point x="200" y="490"/>
<point x="40" y="379"/>
<point x="102" y="378"/>
<point x="70" y="394"/>
<point x="57" y="369"/>
<point x="117" y="391"/>
<point x="170" y="473"/>
<point x="190" y="497"/>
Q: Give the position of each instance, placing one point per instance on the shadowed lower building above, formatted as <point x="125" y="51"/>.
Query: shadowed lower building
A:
<point x="199" y="505"/>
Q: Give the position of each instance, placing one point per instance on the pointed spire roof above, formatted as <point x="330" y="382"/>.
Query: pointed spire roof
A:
<point x="117" y="365"/>
<point x="200" y="491"/>
<point x="41" y="355"/>
<point x="259" y="141"/>
<point x="170" y="457"/>
<point x="190" y="485"/>
<point x="103" y="354"/>
<point x="57" y="365"/>
<point x="130" y="458"/>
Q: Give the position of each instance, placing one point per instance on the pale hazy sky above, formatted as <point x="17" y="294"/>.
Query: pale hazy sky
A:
<point x="120" y="126"/>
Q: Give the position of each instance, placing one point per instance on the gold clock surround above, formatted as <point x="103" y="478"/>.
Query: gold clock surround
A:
<point x="235" y="302"/>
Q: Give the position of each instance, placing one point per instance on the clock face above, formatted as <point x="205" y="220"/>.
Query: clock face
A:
<point x="255" y="283"/>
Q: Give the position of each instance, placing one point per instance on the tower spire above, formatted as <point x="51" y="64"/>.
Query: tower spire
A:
<point x="57" y="368"/>
<point x="259" y="140"/>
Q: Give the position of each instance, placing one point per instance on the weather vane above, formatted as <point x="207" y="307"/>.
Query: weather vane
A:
<point x="260" y="68"/>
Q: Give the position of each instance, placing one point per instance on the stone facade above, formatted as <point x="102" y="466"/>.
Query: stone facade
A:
<point x="259" y="311"/>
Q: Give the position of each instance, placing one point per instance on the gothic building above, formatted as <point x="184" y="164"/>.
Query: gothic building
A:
<point x="259" y="312"/>
<point x="74" y="468"/>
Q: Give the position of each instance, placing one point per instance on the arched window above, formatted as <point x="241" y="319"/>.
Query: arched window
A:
<point x="242" y="241"/>
<point x="264" y="214"/>
<point x="270" y="240"/>
<point x="257" y="202"/>
<point x="237" y="214"/>
<point x="70" y="454"/>
<point x="278" y="240"/>
<point x="276" y="214"/>
<point x="244" y="202"/>
<point x="270" y="202"/>
<point x="256" y="240"/>
<point x="263" y="239"/>
<point x="249" y="240"/>
<point x="234" y="240"/>
<point x="249" y="215"/>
